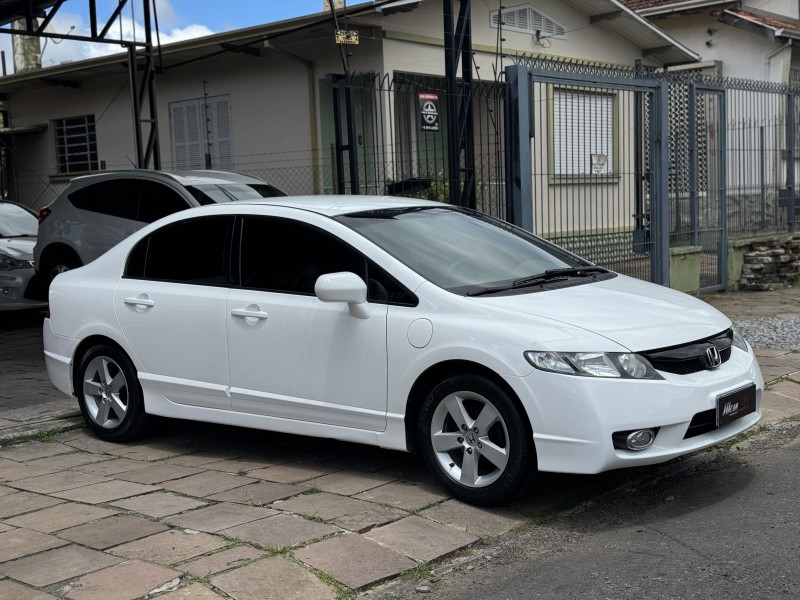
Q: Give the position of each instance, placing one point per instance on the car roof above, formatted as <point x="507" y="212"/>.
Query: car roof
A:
<point x="195" y="177"/>
<point x="332" y="205"/>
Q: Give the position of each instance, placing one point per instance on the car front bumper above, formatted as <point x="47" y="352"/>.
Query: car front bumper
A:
<point x="574" y="418"/>
<point x="13" y="287"/>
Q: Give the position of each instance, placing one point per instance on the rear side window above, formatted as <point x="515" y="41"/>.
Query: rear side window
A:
<point x="158" y="200"/>
<point x="115" y="197"/>
<point x="192" y="251"/>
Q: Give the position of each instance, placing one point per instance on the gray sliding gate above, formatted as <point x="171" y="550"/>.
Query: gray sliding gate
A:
<point x="619" y="166"/>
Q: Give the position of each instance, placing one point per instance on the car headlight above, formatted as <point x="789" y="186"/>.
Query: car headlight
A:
<point x="622" y="365"/>
<point x="7" y="263"/>
<point x="739" y="341"/>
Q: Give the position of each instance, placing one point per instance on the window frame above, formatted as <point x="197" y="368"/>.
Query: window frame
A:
<point x="65" y="159"/>
<point x="612" y="175"/>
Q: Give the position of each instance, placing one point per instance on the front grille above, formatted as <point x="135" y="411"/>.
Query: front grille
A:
<point x="691" y="358"/>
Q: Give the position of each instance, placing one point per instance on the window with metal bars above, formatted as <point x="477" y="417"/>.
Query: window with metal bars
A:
<point x="76" y="144"/>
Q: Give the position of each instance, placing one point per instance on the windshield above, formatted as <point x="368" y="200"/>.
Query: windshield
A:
<point x="15" y="221"/>
<point x="459" y="250"/>
<point x="226" y="192"/>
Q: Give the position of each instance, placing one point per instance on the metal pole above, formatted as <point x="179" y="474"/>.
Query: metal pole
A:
<point x="519" y="189"/>
<point x="135" y="108"/>
<point x="659" y="190"/>
<point x="790" y="151"/>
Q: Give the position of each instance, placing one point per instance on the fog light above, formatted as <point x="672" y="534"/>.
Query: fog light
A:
<point x="640" y="439"/>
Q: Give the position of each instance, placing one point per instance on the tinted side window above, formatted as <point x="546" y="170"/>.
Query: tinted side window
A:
<point x="158" y="200"/>
<point x="281" y="255"/>
<point x="385" y="289"/>
<point x="115" y="197"/>
<point x="192" y="251"/>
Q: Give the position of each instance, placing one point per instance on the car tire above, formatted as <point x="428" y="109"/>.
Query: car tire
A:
<point x="109" y="394"/>
<point x="60" y="266"/>
<point x="474" y="440"/>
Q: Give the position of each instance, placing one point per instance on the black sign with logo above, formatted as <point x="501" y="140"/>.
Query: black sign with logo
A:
<point x="429" y="112"/>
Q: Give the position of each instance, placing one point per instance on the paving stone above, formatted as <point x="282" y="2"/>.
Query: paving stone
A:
<point x="111" y="531"/>
<point x="280" y="531"/>
<point x="23" y="502"/>
<point x="775" y="406"/>
<point x="404" y="494"/>
<point x="69" y="461"/>
<point x="105" y="492"/>
<point x="194" y="591"/>
<point x="18" y="542"/>
<point x="16" y="591"/>
<point x="157" y="473"/>
<point x="221" y="561"/>
<point x="111" y="467"/>
<point x="477" y="521"/>
<point x="4" y="527"/>
<point x="259" y="494"/>
<point x="219" y="516"/>
<point x="290" y="472"/>
<point x="274" y="578"/>
<point x="354" y="560"/>
<point x="170" y="547"/>
<point x="207" y="483"/>
<point x="60" y="516"/>
<point x="348" y="513"/>
<point x="347" y="483"/>
<point x="57" y="565"/>
<point x="89" y="443"/>
<point x="34" y="450"/>
<point x="11" y="471"/>
<point x="149" y="452"/>
<point x="58" y="482"/>
<point x="123" y="581"/>
<point x="242" y="466"/>
<point x="38" y="412"/>
<point x="5" y="490"/>
<point x="421" y="539"/>
<point x="159" y="504"/>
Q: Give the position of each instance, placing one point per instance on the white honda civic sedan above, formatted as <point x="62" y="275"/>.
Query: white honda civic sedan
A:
<point x="404" y="324"/>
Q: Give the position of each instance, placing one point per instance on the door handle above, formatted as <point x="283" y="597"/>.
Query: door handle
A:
<point x="139" y="302"/>
<point x="244" y="313"/>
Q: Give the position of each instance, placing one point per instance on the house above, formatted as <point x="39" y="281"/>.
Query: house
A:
<point x="262" y="100"/>
<point x="749" y="39"/>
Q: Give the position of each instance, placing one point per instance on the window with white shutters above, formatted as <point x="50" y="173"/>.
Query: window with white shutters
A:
<point x="202" y="135"/>
<point x="583" y="133"/>
<point x="527" y="19"/>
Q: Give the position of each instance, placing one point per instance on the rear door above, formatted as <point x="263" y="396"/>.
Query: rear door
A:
<point x="170" y="305"/>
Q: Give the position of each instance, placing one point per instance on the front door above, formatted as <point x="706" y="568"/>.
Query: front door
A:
<point x="291" y="355"/>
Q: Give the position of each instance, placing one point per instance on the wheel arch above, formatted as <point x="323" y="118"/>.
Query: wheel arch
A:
<point x="441" y="371"/>
<point x="84" y="347"/>
<point x="57" y="249"/>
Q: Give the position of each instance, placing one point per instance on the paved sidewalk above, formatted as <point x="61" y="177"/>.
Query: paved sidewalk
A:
<point x="202" y="511"/>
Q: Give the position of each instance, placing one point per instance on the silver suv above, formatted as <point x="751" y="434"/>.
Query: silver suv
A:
<point x="97" y="211"/>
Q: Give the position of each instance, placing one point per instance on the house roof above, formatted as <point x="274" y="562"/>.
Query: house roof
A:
<point x="758" y="23"/>
<point x="650" y="8"/>
<point x="617" y="18"/>
<point x="611" y="15"/>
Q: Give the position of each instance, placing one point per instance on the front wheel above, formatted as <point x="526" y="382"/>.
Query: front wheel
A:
<point x="109" y="394"/>
<point x="474" y="441"/>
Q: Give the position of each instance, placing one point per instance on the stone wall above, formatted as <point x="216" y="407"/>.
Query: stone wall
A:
<point x="771" y="264"/>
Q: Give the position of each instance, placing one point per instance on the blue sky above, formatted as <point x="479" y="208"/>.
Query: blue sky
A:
<point x="178" y="20"/>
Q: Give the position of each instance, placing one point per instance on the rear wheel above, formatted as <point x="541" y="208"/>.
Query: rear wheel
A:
<point x="474" y="441"/>
<point x="57" y="262"/>
<point x="109" y="394"/>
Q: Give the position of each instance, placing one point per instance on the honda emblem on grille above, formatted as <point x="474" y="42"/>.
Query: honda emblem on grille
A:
<point x="712" y="357"/>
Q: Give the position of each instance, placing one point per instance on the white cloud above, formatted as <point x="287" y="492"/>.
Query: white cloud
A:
<point x="55" y="52"/>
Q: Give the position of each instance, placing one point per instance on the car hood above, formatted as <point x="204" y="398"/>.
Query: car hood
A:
<point x="635" y="314"/>
<point x="21" y="248"/>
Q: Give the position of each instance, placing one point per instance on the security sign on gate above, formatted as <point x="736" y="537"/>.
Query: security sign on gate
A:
<point x="429" y="112"/>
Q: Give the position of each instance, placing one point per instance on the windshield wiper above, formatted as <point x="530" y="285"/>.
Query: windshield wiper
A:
<point x="549" y="276"/>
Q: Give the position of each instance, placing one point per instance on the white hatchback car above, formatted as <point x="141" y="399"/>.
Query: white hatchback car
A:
<point x="404" y="324"/>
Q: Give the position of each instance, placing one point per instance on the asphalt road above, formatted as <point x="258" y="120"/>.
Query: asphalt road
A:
<point x="725" y="525"/>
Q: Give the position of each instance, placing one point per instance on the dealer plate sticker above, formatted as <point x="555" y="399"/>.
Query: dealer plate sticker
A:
<point x="735" y="405"/>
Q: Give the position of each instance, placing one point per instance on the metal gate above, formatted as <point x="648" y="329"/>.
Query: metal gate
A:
<point x="595" y="143"/>
<point x="707" y="185"/>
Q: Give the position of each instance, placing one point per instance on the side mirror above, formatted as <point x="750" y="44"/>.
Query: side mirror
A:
<point x="344" y="287"/>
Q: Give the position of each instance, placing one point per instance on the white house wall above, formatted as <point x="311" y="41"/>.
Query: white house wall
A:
<point x="785" y="8"/>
